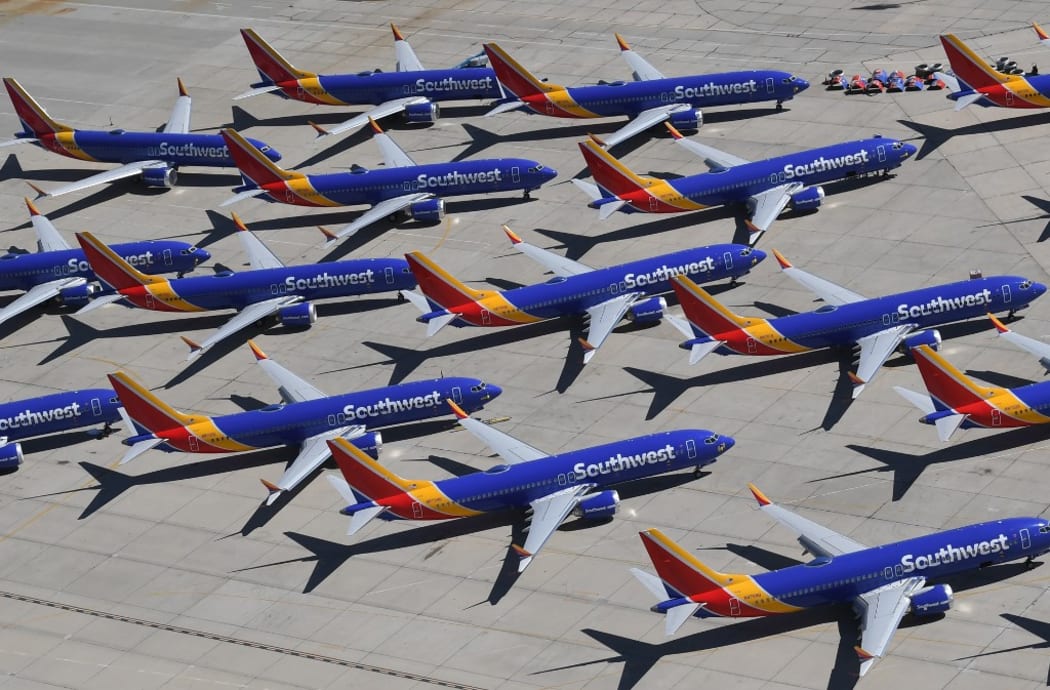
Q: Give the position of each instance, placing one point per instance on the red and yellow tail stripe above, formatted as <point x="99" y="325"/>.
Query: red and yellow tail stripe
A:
<point x="646" y="194"/>
<point x="543" y="97"/>
<point x="405" y="498"/>
<point x="110" y="267"/>
<point x="269" y="61"/>
<point x="968" y="65"/>
<point x="32" y="115"/>
<point x="253" y="163"/>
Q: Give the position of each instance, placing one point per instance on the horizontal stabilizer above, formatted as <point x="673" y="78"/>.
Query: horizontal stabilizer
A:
<point x="439" y="322"/>
<point x="678" y="615"/>
<point x="651" y="582"/>
<point x="950" y="81"/>
<point x="248" y="194"/>
<point x="923" y="402"/>
<point x="20" y="140"/>
<point x="963" y="101"/>
<point x="140" y="448"/>
<point x="681" y="324"/>
<point x="946" y="426"/>
<point x="504" y="107"/>
<point x="606" y="210"/>
<point x="99" y="302"/>
<point x="417" y="300"/>
<point x="701" y="350"/>
<point x="343" y="489"/>
<point x="257" y="92"/>
<point x="588" y="188"/>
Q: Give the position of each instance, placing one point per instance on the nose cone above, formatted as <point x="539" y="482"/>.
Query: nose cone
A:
<point x="801" y="84"/>
<point x="908" y="150"/>
<point x="1038" y="289"/>
<point x="548" y="174"/>
<point x="273" y="154"/>
<point x="201" y="255"/>
<point x="492" y="391"/>
<point x="725" y="443"/>
<point x="757" y="255"/>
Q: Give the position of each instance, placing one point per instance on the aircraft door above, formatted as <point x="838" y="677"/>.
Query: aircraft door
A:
<point x="417" y="510"/>
<point x="150" y="302"/>
<point x="96" y="407"/>
<point x="653" y="203"/>
<point x="690" y="449"/>
<point x="997" y="417"/>
<point x="194" y="443"/>
<point x="457" y="395"/>
<point x="549" y="107"/>
<point x="881" y="151"/>
<point x="727" y="258"/>
<point x="1026" y="539"/>
<point x="515" y="174"/>
<point x="167" y="257"/>
<point x="486" y="317"/>
<point x="1009" y="98"/>
<point x="770" y="88"/>
<point x="388" y="273"/>
<point x="752" y="346"/>
<point x="1007" y="295"/>
<point x="898" y="570"/>
<point x="734" y="607"/>
<point x="887" y="573"/>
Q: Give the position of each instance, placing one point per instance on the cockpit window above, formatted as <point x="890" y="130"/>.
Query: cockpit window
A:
<point x="535" y="168"/>
<point x="480" y="387"/>
<point x="264" y="149"/>
<point x="897" y="145"/>
<point x="746" y="251"/>
<point x="713" y="438"/>
<point x="1044" y="529"/>
<point x="1025" y="285"/>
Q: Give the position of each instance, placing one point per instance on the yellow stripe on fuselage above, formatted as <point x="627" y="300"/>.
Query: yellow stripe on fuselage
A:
<point x="1024" y="91"/>
<point x="765" y="333"/>
<point x="431" y="497"/>
<point x="750" y="593"/>
<point x="665" y="192"/>
<point x="562" y="100"/>
<point x="163" y="293"/>
<point x="209" y="433"/>
<point x="303" y="189"/>
<point x="67" y="140"/>
<point x="312" y="86"/>
<point x="496" y="303"/>
<point x="1012" y="406"/>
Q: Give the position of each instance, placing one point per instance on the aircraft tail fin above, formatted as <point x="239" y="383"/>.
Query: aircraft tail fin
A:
<point x="948" y="385"/>
<point x="148" y="412"/>
<point x="110" y="268"/>
<point x="271" y="65"/>
<point x="366" y="477"/>
<point x="968" y="65"/>
<point x="681" y="572"/>
<point x="514" y="77"/>
<point x="704" y="312"/>
<point x="440" y="286"/>
<point x="255" y="167"/>
<point x="613" y="177"/>
<point x="35" y="119"/>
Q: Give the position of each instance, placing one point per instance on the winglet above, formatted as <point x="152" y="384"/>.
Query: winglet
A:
<point x="321" y="131"/>
<point x="514" y="239"/>
<point x="40" y="193"/>
<point x="597" y="140"/>
<point x="863" y="654"/>
<point x="759" y="496"/>
<point x="332" y="237"/>
<point x="781" y="259"/>
<point x="457" y="410"/>
<point x="999" y="325"/>
<point x="398" y="36"/>
<point x="674" y="132"/>
<point x="33" y="210"/>
<point x="520" y="551"/>
<point x="182" y="87"/>
<point x="270" y="486"/>
<point x="259" y="354"/>
<point x="622" y="42"/>
<point x="238" y="222"/>
<point x="194" y="347"/>
<point x="854" y="379"/>
<point x="376" y="129"/>
<point x="1043" y="37"/>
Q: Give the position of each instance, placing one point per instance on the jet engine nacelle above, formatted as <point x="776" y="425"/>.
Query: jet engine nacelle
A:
<point x="687" y="119"/>
<point x="78" y="295"/>
<point x="648" y="311"/>
<point x="932" y="601"/>
<point x="931" y="337"/>
<point x="370" y="443"/>
<point x="301" y="315"/>
<point x="808" y="198"/>
<point x="428" y="210"/>
<point x="160" y="177"/>
<point x="10" y="455"/>
<point x="422" y="113"/>
<point x="599" y="506"/>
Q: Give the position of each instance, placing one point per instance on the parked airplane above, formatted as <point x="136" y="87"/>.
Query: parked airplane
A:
<point x="268" y="288"/>
<point x="59" y="272"/>
<point x="882" y="583"/>
<point x="604" y="295"/>
<point x="401" y="187"/>
<point x="767" y="187"/>
<point x="650" y="100"/>
<point x="307" y="418"/>
<point x="51" y="414"/>
<point x="156" y="156"/>
<point x="552" y="486"/>
<point x="955" y="400"/>
<point x="877" y="325"/>
<point x="976" y="81"/>
<point x="412" y="89"/>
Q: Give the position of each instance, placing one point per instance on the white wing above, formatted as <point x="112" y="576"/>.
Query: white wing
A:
<point x="48" y="239"/>
<point x="817" y="539"/>
<point x="767" y="205"/>
<point x="824" y="289"/>
<point x="380" y="111"/>
<point x="547" y="514"/>
<point x="713" y="158"/>
<point x="241" y="320"/>
<point x="259" y="255"/>
<point x="406" y="57"/>
<point x="506" y="446"/>
<point x="641" y="122"/>
<point x="1036" y="347"/>
<point x="393" y="155"/>
<point x="881" y="611"/>
<point x="179" y="122"/>
<point x="555" y="263"/>
<point x="640" y="67"/>
<point x="604" y="318"/>
<point x="37" y="294"/>
<point x="875" y="349"/>
<point x="378" y="212"/>
<point x="126" y="170"/>
<point x="293" y="388"/>
<point x="312" y="454"/>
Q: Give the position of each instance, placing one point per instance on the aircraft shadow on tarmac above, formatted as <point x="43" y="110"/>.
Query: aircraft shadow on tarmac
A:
<point x="934" y="137"/>
<point x="1036" y="627"/>
<point x="639" y="657"/>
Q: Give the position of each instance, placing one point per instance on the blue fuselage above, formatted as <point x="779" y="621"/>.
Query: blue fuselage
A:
<point x="50" y="414"/>
<point x="121" y="146"/>
<point x="379" y="87"/>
